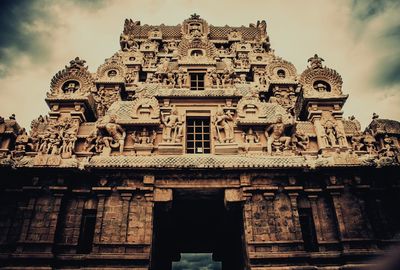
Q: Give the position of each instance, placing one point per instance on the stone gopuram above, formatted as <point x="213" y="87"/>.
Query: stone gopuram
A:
<point x="197" y="139"/>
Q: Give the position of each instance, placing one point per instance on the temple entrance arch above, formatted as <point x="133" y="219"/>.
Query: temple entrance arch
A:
<point x="197" y="221"/>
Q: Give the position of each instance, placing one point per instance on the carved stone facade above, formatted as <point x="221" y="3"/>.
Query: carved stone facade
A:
<point x="197" y="138"/>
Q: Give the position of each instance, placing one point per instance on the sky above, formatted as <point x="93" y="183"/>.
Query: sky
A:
<point x="359" y="38"/>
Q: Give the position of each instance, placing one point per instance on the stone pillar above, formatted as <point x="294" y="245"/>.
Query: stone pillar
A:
<point x="315" y="213"/>
<point x="335" y="192"/>
<point x="126" y="200"/>
<point x="101" y="193"/>
<point x="296" y="221"/>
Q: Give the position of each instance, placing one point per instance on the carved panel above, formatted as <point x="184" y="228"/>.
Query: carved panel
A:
<point x="74" y="80"/>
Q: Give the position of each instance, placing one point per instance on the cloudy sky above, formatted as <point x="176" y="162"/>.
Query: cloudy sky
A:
<point x="360" y="39"/>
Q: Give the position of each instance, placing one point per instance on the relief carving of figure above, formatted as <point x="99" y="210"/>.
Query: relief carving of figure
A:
<point x="173" y="127"/>
<point x="276" y="139"/>
<point x="242" y="60"/>
<point x="58" y="138"/>
<point x="356" y="141"/>
<point x="223" y="123"/>
<point x="22" y="140"/>
<point x="227" y="78"/>
<point x="131" y="77"/>
<point x="370" y="142"/>
<point x="170" y="80"/>
<point x="330" y="134"/>
<point x="300" y="139"/>
<point x="116" y="134"/>
<point x="90" y="141"/>
<point x="213" y="79"/>
<point x="262" y="77"/>
<point x="333" y="135"/>
<point x="181" y="79"/>
<point x="127" y="43"/>
<point x="389" y="149"/>
<point x="250" y="138"/>
<point x="105" y="97"/>
<point x="286" y="99"/>
<point x="144" y="136"/>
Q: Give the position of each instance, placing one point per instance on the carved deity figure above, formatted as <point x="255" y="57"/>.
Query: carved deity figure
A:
<point x="388" y="149"/>
<point x="131" y="77"/>
<point x="71" y="87"/>
<point x="356" y="141"/>
<point x="262" y="77"/>
<point x="117" y="134"/>
<point x="181" y="79"/>
<point x="275" y="134"/>
<point x="333" y="135"/>
<point x="127" y="43"/>
<point x="173" y="127"/>
<point x="223" y="123"/>
<point x="58" y="138"/>
<point x="170" y="80"/>
<point x="226" y="78"/>
<point x="300" y="139"/>
<point x="369" y="141"/>
<point x="68" y="145"/>
<point x="315" y="61"/>
<point x="242" y="60"/>
<point x="330" y="134"/>
<point x="90" y="141"/>
<point x="250" y="138"/>
<point x="286" y="99"/>
<point x="320" y="87"/>
<point x="22" y="140"/>
<point x="144" y="136"/>
<point x="105" y="97"/>
<point x="213" y="79"/>
<point x="163" y="66"/>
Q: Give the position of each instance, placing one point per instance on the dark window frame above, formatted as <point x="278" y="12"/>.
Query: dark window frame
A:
<point x="197" y="80"/>
<point x="198" y="135"/>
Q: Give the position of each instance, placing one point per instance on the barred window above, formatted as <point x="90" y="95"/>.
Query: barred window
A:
<point x="198" y="135"/>
<point x="197" y="81"/>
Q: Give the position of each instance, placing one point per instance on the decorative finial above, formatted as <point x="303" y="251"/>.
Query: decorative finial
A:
<point x="375" y="116"/>
<point x="315" y="61"/>
<point x="194" y="16"/>
<point x="12" y="116"/>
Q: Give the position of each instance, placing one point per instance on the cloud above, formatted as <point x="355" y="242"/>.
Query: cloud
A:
<point x="367" y="9"/>
<point x="376" y="23"/>
<point x="21" y="23"/>
<point x="28" y="29"/>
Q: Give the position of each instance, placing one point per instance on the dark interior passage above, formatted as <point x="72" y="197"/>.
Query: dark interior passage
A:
<point x="197" y="222"/>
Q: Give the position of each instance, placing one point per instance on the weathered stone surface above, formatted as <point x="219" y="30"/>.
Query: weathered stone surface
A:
<point x="197" y="138"/>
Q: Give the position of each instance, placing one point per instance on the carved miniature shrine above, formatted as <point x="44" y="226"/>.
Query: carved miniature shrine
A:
<point x="197" y="138"/>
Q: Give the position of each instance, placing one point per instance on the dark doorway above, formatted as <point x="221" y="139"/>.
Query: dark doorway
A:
<point x="197" y="222"/>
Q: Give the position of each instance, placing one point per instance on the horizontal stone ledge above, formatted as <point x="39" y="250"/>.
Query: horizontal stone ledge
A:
<point x="275" y="242"/>
<point x="278" y="255"/>
<point x="121" y="244"/>
<point x="32" y="255"/>
<point x="122" y="256"/>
